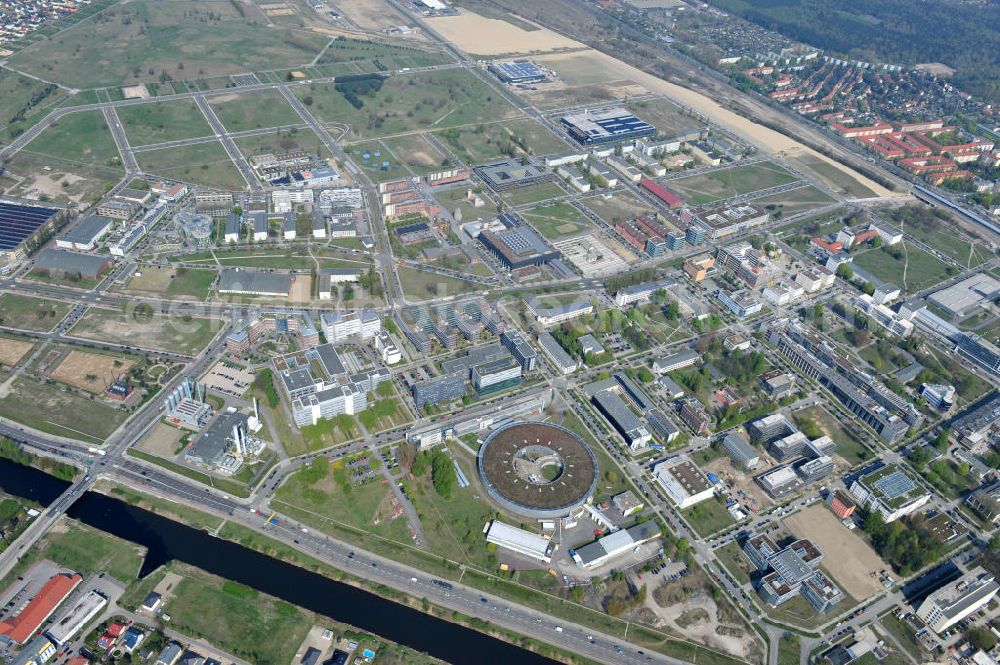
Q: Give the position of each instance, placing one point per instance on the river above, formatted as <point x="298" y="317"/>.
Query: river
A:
<point x="165" y="540"/>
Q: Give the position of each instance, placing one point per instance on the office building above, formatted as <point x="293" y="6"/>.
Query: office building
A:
<point x="548" y="316"/>
<point x="791" y="571"/>
<point x="676" y="361"/>
<point x="495" y="375"/>
<point x="890" y="491"/>
<point x="956" y="600"/>
<point x="719" y="222"/>
<point x="737" y="446"/>
<point x="562" y="361"/>
<point x="662" y="425"/>
<point x="339" y="326"/>
<point x="622" y="418"/>
<point x="518" y="346"/>
<point x="439" y="389"/>
<point x="938" y="396"/>
<point x="684" y="483"/>
<point x="841" y="504"/>
<point x="770" y="428"/>
<point x="779" y="481"/>
<point x="517" y="245"/>
<point x="641" y="293"/>
<point x="693" y="413"/>
<point x="777" y="384"/>
<point x="697" y="267"/>
<point x="742" y="303"/>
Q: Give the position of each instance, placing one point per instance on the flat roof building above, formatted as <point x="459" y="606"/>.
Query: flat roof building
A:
<point x="956" y="600"/>
<point x="676" y="361"/>
<point x="890" y="491"/>
<point x="595" y="127"/>
<point x="85" y="234"/>
<point x="517" y="72"/>
<point x="518" y="540"/>
<point x="76" y="617"/>
<point x="961" y="298"/>
<point x="87" y="266"/>
<point x="685" y="483"/>
<point x="613" y="545"/>
<point x="439" y="389"/>
<point x="508" y="174"/>
<point x="19" y="626"/>
<point x="255" y="283"/>
<point x="621" y="417"/>
<point x="556" y="354"/>
<point x="737" y="446"/>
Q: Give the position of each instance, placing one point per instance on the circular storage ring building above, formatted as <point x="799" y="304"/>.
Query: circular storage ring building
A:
<point x="537" y="469"/>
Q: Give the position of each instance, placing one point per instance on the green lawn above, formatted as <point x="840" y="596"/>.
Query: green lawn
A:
<point x="415" y="152"/>
<point x="533" y="194"/>
<point x="186" y="335"/>
<point x="421" y="100"/>
<point x="159" y="122"/>
<point x="848" y="446"/>
<point x="922" y="269"/>
<point x="839" y="179"/>
<point x="708" y="517"/>
<point x="89" y="551"/>
<point x="557" y="221"/>
<point x="205" y="164"/>
<point x="732" y="558"/>
<point x="369" y="55"/>
<point x="733" y="181"/>
<point x="789" y="649"/>
<point x="28" y="313"/>
<point x="150" y="41"/>
<point x="419" y="285"/>
<point x="239" y="112"/>
<point x="171" y="283"/>
<point x="49" y="408"/>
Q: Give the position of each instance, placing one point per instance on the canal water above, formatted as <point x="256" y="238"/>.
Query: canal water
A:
<point x="165" y="540"/>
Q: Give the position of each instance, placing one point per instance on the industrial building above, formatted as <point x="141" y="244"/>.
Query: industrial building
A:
<point x="76" y="617"/>
<point x="684" y="483"/>
<point x="225" y="433"/>
<point x="517" y="245"/>
<point x="85" y="234"/>
<point x="517" y="72"/>
<point x="20" y="624"/>
<point x="439" y="389"/>
<point x="596" y="127"/>
<point x="613" y="545"/>
<point x="66" y="262"/>
<point x="956" y="600"/>
<point x="961" y="298"/>
<point x="520" y="541"/>
<point x="890" y="491"/>
<point x="255" y="283"/>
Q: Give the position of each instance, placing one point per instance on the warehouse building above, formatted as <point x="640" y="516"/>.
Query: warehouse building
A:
<point x="517" y="72"/>
<point x="520" y="541"/>
<point x="255" y="283"/>
<point x="65" y="262"/>
<point x="76" y="617"/>
<point x="684" y="483"/>
<point x="596" y="127"/>
<point x="609" y="547"/>
<point x="85" y="234"/>
<point x="960" y="299"/>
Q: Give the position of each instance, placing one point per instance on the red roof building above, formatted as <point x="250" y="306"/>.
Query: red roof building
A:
<point x="26" y="623"/>
<point x="858" y="132"/>
<point x="841" y="506"/>
<point x="832" y="247"/>
<point x="661" y="192"/>
<point x="865" y="236"/>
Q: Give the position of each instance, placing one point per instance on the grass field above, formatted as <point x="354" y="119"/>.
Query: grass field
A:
<point x="162" y="333"/>
<point x="23" y="101"/>
<point x="427" y="100"/>
<point x="374" y="56"/>
<point x="732" y="558"/>
<point x="481" y="143"/>
<point x="81" y="139"/>
<point x="728" y="182"/>
<point x="557" y="221"/>
<point x="664" y="115"/>
<point x="533" y="193"/>
<point x="708" y="517"/>
<point x="789" y="649"/>
<point x="921" y="268"/>
<point x="416" y="152"/>
<point x="621" y="205"/>
<point x="848" y="447"/>
<point x="52" y="409"/>
<point x="283" y="141"/>
<point x="27" y="313"/>
<point x="168" y="282"/>
<point x="795" y="201"/>
<point x="837" y="179"/>
<point x="90" y="552"/>
<point x="239" y="112"/>
<point x="158" y="122"/>
<point x="201" y="164"/>
<point x="419" y="285"/>
<point x="149" y="41"/>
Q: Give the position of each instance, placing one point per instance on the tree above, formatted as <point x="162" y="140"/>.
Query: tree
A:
<point x="981" y="638"/>
<point x="442" y="473"/>
<point x="844" y="272"/>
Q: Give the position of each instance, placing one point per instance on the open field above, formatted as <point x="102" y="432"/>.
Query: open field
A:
<point x="840" y="180"/>
<point x="163" y="333"/>
<point x="419" y="285"/>
<point x="370" y="15"/>
<point x="23" y="101"/>
<point x="622" y="205"/>
<point x="158" y="122"/>
<point x="728" y="182"/>
<point x="12" y="350"/>
<point x="847" y="557"/>
<point x="708" y="517"/>
<point x="416" y="152"/>
<point x="482" y="143"/>
<point x="408" y="102"/>
<point x="145" y="40"/>
<point x="557" y="221"/>
<point x="849" y="448"/>
<point x="366" y="55"/>
<point x="666" y="116"/>
<point x="90" y="371"/>
<point x="46" y="176"/>
<point x="170" y="282"/>
<point x="49" y="408"/>
<point x="795" y="201"/>
<point x="916" y="270"/>
<point x="201" y="164"/>
<point x="28" y="313"/>
<point x="533" y="193"/>
<point x="239" y="112"/>
<point x="81" y="139"/>
<point x="162" y="440"/>
<point x="489" y="36"/>
<point x="283" y="141"/>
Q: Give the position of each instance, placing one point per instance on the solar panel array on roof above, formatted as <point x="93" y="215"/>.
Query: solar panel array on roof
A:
<point x="895" y="485"/>
<point x="18" y="222"/>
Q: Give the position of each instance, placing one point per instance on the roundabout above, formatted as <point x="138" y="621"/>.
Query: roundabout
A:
<point x="537" y="469"/>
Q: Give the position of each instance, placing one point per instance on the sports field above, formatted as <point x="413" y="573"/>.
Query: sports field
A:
<point x="408" y="102"/>
<point x="733" y="181"/>
<point x="847" y="557"/>
<point x="146" y="40"/>
<point x="253" y="110"/>
<point x="557" y="221"/>
<point x="185" y="335"/>
<point x="158" y="122"/>
<point x="28" y="313"/>
<point x="205" y="164"/>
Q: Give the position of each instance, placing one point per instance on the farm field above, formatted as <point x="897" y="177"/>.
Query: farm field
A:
<point x="169" y="282"/>
<point x="557" y="221"/>
<point x="159" y="122"/>
<point x="146" y="40"/>
<point x="28" y="313"/>
<point x="733" y="181"/>
<point x="201" y="164"/>
<point x="439" y="99"/>
<point x="54" y="410"/>
<point x="915" y="271"/>
<point x="419" y="285"/>
<point x="239" y="112"/>
<point x="161" y="333"/>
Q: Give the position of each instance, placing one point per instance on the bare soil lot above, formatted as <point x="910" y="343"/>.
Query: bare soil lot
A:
<point x="161" y="441"/>
<point x="488" y="36"/>
<point x="848" y="558"/>
<point x="12" y="350"/>
<point x="90" y="371"/>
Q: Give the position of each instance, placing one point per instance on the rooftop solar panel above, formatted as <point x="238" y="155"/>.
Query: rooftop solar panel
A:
<point x="895" y="485"/>
<point x="18" y="222"/>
